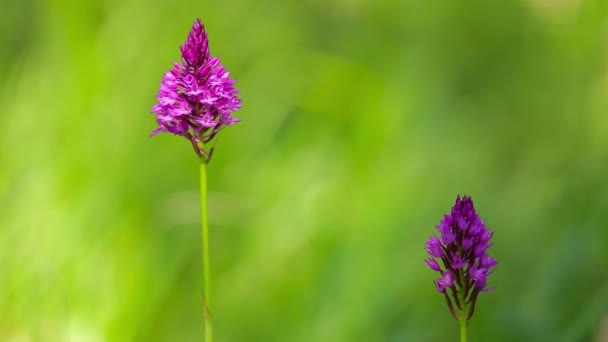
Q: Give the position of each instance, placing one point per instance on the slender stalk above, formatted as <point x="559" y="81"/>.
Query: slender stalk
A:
<point x="463" y="327"/>
<point x="463" y="314"/>
<point x="206" y="262"/>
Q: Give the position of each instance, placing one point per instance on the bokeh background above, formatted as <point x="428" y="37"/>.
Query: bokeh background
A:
<point x="362" y="121"/>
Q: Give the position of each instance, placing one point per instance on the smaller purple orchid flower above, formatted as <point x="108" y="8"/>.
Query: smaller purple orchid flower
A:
<point x="462" y="249"/>
<point x="196" y="98"/>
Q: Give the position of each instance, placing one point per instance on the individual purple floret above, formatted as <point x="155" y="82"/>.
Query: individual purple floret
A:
<point x="462" y="249"/>
<point x="196" y="98"/>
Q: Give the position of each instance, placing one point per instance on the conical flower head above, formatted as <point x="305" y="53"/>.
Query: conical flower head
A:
<point x="196" y="98"/>
<point x="462" y="249"/>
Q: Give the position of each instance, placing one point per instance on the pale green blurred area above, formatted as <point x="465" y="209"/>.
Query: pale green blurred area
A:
<point x="362" y="121"/>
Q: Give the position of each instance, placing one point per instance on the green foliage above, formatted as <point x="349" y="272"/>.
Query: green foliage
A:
<point x="362" y="120"/>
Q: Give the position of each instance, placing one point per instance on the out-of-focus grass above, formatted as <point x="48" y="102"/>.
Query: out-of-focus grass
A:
<point x="362" y="120"/>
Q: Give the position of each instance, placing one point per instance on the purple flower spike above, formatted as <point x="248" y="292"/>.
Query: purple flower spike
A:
<point x="462" y="247"/>
<point x="196" y="98"/>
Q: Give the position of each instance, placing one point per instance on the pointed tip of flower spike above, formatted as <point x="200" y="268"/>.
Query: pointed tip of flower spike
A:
<point x="195" y="51"/>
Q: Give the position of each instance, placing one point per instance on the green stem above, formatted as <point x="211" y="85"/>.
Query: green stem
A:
<point x="464" y="312"/>
<point x="206" y="262"/>
<point x="463" y="326"/>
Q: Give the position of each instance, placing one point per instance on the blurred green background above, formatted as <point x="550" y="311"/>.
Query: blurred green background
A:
<point x="362" y="121"/>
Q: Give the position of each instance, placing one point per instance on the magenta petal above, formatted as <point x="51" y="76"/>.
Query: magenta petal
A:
<point x="156" y="131"/>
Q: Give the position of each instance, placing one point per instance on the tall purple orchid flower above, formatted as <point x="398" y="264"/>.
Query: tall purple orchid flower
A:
<point x="196" y="98"/>
<point x="464" y="263"/>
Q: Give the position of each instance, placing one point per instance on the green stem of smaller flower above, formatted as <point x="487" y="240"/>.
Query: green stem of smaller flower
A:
<point x="463" y="326"/>
<point x="462" y="314"/>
